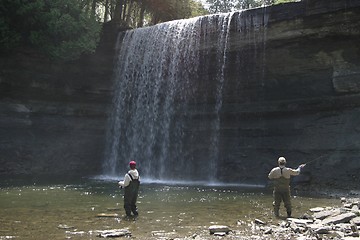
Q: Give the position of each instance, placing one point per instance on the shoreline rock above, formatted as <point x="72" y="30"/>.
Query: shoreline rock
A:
<point x="322" y="223"/>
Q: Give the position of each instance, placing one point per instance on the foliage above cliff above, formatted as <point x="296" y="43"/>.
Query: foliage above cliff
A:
<point x="58" y="28"/>
<point x="66" y="29"/>
<point x="218" y="6"/>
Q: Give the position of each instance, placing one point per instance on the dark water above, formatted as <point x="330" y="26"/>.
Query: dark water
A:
<point x="40" y="211"/>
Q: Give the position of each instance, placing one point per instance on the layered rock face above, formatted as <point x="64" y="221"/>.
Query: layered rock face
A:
<point x="53" y="115"/>
<point x="286" y="83"/>
<point x="300" y="96"/>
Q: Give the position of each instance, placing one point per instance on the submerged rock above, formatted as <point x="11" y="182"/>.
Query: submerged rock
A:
<point x="64" y="226"/>
<point x="110" y="215"/>
<point x="162" y="233"/>
<point x="114" y="233"/>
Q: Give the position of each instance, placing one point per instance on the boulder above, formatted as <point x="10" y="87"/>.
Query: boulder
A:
<point x="220" y="234"/>
<point x="260" y="222"/>
<point x="317" y="209"/>
<point x="302" y="222"/>
<point x="341" y="218"/>
<point x="324" y="214"/>
<point x="219" y="228"/>
<point x="356" y="221"/>
<point x="320" y="229"/>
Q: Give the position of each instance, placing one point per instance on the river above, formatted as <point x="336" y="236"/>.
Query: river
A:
<point x="71" y="211"/>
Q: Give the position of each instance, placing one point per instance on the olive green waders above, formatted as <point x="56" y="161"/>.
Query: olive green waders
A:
<point x="282" y="193"/>
<point x="130" y="197"/>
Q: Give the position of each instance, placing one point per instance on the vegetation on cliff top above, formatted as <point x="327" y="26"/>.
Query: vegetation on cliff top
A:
<point x="216" y="6"/>
<point x="66" y="29"/>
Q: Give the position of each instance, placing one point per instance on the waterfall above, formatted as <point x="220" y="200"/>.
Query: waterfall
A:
<point x="223" y="26"/>
<point x="156" y="100"/>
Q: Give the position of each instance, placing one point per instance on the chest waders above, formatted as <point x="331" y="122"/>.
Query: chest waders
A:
<point x="282" y="193"/>
<point x="130" y="196"/>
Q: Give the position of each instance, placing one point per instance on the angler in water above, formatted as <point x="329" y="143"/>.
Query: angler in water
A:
<point x="281" y="179"/>
<point x="131" y="184"/>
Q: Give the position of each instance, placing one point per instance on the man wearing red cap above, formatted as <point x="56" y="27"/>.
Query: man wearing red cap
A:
<point x="131" y="184"/>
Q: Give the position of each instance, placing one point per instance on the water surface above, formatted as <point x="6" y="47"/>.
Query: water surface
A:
<point x="43" y="211"/>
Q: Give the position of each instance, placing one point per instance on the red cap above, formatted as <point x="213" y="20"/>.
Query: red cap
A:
<point x="132" y="163"/>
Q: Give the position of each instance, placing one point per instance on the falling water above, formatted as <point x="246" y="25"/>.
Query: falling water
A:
<point x="153" y="72"/>
<point x="224" y="27"/>
<point x="155" y="94"/>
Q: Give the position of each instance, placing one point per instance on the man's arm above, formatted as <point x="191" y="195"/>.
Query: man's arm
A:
<point x="295" y="172"/>
<point x="126" y="181"/>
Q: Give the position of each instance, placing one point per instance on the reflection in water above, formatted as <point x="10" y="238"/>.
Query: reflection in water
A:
<point x="57" y="211"/>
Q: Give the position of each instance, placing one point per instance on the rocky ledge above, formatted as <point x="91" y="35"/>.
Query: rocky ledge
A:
<point x="318" y="223"/>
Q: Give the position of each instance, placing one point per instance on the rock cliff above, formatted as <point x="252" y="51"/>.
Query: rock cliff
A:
<point x="53" y="114"/>
<point x="292" y="88"/>
<point x="300" y="93"/>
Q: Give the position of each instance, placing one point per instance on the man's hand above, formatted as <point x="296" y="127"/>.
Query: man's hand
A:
<point x="302" y="165"/>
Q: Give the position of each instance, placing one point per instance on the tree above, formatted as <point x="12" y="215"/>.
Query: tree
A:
<point x="167" y="10"/>
<point x="218" y="6"/>
<point x="9" y="36"/>
<point x="247" y="4"/>
<point x="197" y="9"/>
<point x="66" y="29"/>
<point x="61" y="29"/>
<point x="221" y="6"/>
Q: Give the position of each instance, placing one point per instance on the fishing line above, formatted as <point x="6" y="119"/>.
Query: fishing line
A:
<point x="328" y="154"/>
<point x="318" y="158"/>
